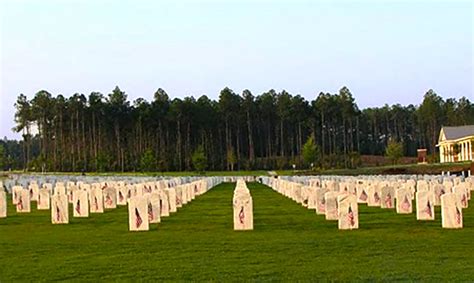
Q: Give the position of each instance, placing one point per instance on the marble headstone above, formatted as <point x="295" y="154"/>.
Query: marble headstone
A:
<point x="59" y="209"/>
<point x="80" y="203"/>
<point x="348" y="212"/>
<point x="138" y="214"/>
<point x="451" y="211"/>
<point x="425" y="205"/>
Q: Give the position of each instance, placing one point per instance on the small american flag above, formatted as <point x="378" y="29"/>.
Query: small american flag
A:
<point x="19" y="205"/>
<point x="150" y="212"/>
<point x="58" y="214"/>
<point x="138" y="219"/>
<point x="458" y="216"/>
<point x="322" y="205"/>
<point x="96" y="203"/>
<point x="350" y="216"/>
<point x="241" y="215"/>
<point x="388" y="200"/>
<point x="78" y="207"/>
<point x="428" y="209"/>
<point x="108" y="199"/>
<point x="406" y="204"/>
<point x="464" y="200"/>
<point x="363" y="196"/>
<point x="376" y="197"/>
<point x="39" y="199"/>
<point x="120" y="196"/>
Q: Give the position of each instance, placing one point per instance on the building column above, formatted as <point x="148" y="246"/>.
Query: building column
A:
<point x="465" y="151"/>
<point x="470" y="146"/>
<point x="441" y="154"/>
<point x="470" y="150"/>
<point x="462" y="152"/>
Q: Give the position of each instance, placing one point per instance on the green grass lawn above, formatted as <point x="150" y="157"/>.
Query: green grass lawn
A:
<point x="198" y="243"/>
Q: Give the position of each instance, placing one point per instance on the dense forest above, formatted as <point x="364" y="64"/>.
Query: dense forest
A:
<point x="110" y="133"/>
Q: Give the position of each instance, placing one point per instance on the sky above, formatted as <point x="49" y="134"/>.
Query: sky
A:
<point x="385" y="52"/>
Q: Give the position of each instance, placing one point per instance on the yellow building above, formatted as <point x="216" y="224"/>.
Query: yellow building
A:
<point x="456" y="143"/>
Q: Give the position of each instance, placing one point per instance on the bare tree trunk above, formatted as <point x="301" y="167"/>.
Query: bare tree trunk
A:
<point x="250" y="138"/>
<point x="282" y="146"/>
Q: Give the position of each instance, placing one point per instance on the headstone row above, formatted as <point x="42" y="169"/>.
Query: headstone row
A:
<point x="162" y="197"/>
<point x="324" y="195"/>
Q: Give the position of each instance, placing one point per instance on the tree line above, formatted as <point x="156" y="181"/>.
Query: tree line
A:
<point x="238" y="131"/>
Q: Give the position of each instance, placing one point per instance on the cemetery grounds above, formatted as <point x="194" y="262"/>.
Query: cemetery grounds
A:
<point x="289" y="243"/>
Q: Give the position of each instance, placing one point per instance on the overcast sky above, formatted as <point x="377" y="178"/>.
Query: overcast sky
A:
<point x="384" y="51"/>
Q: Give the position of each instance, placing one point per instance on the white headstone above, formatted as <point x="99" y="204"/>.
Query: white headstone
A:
<point x="312" y="201"/>
<point x="320" y="200"/>
<point x="179" y="196"/>
<point x="404" y="202"/>
<point x="462" y="194"/>
<point x="110" y="198"/>
<point x="362" y="195"/>
<point x="3" y="203"/>
<point x="387" y="197"/>
<point x="439" y="190"/>
<point x="451" y="211"/>
<point x="242" y="207"/>
<point x="15" y="193"/>
<point x="43" y="199"/>
<point x="122" y="193"/>
<point x="23" y="204"/>
<point x="59" y="189"/>
<point x="348" y="212"/>
<point x="96" y="200"/>
<point x="34" y="190"/>
<point x="425" y="205"/>
<point x="80" y="202"/>
<point x="59" y="209"/>
<point x="138" y="214"/>
<point x="243" y="212"/>
<point x="172" y="199"/>
<point x="153" y="208"/>
<point x="373" y="192"/>
<point x="331" y="205"/>
<point x="164" y="204"/>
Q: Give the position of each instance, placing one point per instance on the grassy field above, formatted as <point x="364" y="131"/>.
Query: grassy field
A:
<point x="289" y="243"/>
<point x="432" y="168"/>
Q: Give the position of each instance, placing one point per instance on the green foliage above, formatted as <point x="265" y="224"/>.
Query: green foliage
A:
<point x="285" y="236"/>
<point x="310" y="152"/>
<point x="199" y="159"/>
<point x="108" y="132"/>
<point x="394" y="151"/>
<point x="3" y="157"/>
<point x="231" y="158"/>
<point x="148" y="161"/>
<point x="103" y="161"/>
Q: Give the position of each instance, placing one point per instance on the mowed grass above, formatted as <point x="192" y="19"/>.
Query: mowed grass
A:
<point x="198" y="243"/>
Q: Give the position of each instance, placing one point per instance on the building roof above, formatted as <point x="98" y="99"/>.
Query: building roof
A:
<point x="454" y="133"/>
